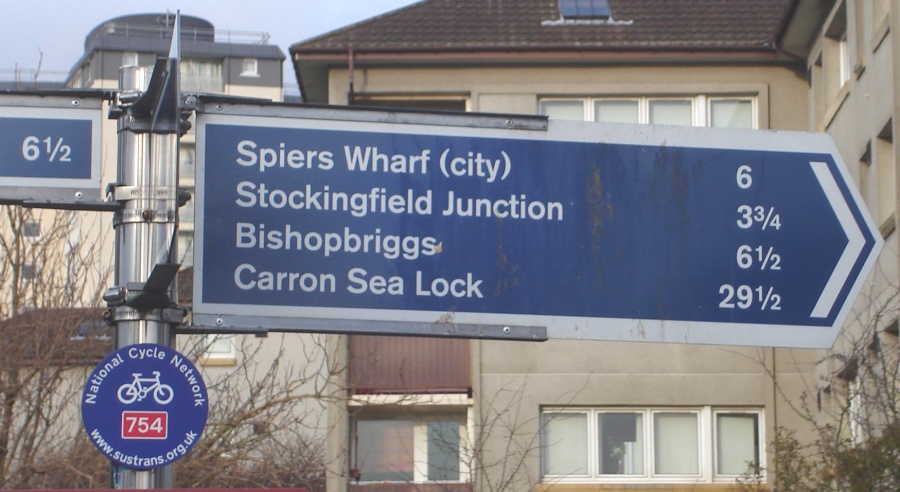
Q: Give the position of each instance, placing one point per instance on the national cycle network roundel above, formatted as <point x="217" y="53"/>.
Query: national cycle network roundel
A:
<point x="144" y="406"/>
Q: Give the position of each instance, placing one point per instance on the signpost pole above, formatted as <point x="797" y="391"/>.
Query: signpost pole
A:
<point x="144" y="233"/>
<point x="146" y="224"/>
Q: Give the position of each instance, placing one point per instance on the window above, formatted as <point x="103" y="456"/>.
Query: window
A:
<point x="201" y="75"/>
<point x="414" y="449"/>
<point x="219" y="347"/>
<point x="186" y="246"/>
<point x="31" y="228"/>
<point x="616" y="111"/>
<point x="73" y="240"/>
<point x="676" y="443"/>
<point x="671" y="112"/>
<point x="186" y="212"/>
<point x="621" y="441"/>
<point x="737" y="443"/>
<point x="187" y="161"/>
<point x="584" y="9"/>
<point x="836" y="54"/>
<point x="565" y="444"/>
<point x="731" y="113"/>
<point x="718" y="111"/>
<point x="92" y="328"/>
<point x="130" y="59"/>
<point x="249" y="67"/>
<point x="187" y="168"/>
<point x="650" y="445"/>
<point x="29" y="271"/>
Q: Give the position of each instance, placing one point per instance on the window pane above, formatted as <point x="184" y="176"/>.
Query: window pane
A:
<point x="187" y="159"/>
<point x="129" y="59"/>
<point x="565" y="444"/>
<point x="589" y="9"/>
<point x="731" y="113"/>
<point x="203" y="76"/>
<point x="622" y="111"/>
<point x="671" y="112"/>
<point x="676" y="443"/>
<point x="384" y="450"/>
<point x="219" y="345"/>
<point x="249" y="66"/>
<point x="32" y="228"/>
<point x="621" y="443"/>
<point x="186" y="247"/>
<point x="563" y="110"/>
<point x="737" y="443"/>
<point x="443" y="451"/>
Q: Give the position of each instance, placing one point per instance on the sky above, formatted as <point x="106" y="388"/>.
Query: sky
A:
<point x="50" y="33"/>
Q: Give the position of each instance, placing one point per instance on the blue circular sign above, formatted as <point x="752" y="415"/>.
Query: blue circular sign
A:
<point x="144" y="406"/>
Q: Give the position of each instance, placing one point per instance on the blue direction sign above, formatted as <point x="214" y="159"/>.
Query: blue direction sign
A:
<point x="144" y="406"/>
<point x="49" y="154"/>
<point x="590" y="231"/>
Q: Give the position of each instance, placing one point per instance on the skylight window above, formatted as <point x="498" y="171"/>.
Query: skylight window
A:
<point x="584" y="9"/>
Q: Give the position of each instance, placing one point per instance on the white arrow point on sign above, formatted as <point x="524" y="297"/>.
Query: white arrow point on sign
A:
<point x="855" y="241"/>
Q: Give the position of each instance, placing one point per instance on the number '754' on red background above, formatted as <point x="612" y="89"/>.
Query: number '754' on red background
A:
<point x="145" y="425"/>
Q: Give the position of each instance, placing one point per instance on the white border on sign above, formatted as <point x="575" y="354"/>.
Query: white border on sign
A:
<point x="92" y="115"/>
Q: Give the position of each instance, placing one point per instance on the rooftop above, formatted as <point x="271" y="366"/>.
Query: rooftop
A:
<point x="478" y="25"/>
<point x="505" y="32"/>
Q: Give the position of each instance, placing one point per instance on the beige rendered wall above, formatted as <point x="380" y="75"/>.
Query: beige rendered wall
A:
<point x="520" y="378"/>
<point x="781" y="92"/>
<point x="854" y="118"/>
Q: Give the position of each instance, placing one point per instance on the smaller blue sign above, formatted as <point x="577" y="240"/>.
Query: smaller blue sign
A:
<point x="45" y="148"/>
<point x="50" y="150"/>
<point x="144" y="406"/>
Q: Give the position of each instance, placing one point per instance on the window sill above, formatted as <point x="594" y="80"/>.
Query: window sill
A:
<point x="835" y="106"/>
<point x="595" y="487"/>
<point x="454" y="399"/>
<point x="411" y="487"/>
<point x="880" y="33"/>
<point x="888" y="226"/>
<point x="227" y="361"/>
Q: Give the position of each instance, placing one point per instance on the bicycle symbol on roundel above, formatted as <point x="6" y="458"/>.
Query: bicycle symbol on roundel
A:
<point x="138" y="389"/>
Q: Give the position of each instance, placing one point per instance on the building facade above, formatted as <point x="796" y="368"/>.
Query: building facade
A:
<point x="849" y="50"/>
<point x="426" y="414"/>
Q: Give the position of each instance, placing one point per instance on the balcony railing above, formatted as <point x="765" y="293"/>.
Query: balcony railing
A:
<point x="187" y="33"/>
<point x="30" y="76"/>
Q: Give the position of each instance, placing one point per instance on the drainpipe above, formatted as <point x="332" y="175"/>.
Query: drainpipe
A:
<point x="350" y="76"/>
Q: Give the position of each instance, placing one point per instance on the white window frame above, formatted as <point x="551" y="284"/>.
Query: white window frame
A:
<point x="130" y="59"/>
<point x="700" y="105"/>
<point x="760" y="439"/>
<point x="420" y="446"/>
<point x="706" y="435"/>
<point x="218" y="340"/>
<point x="202" y="75"/>
<point x="249" y="67"/>
<point x="592" y="451"/>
